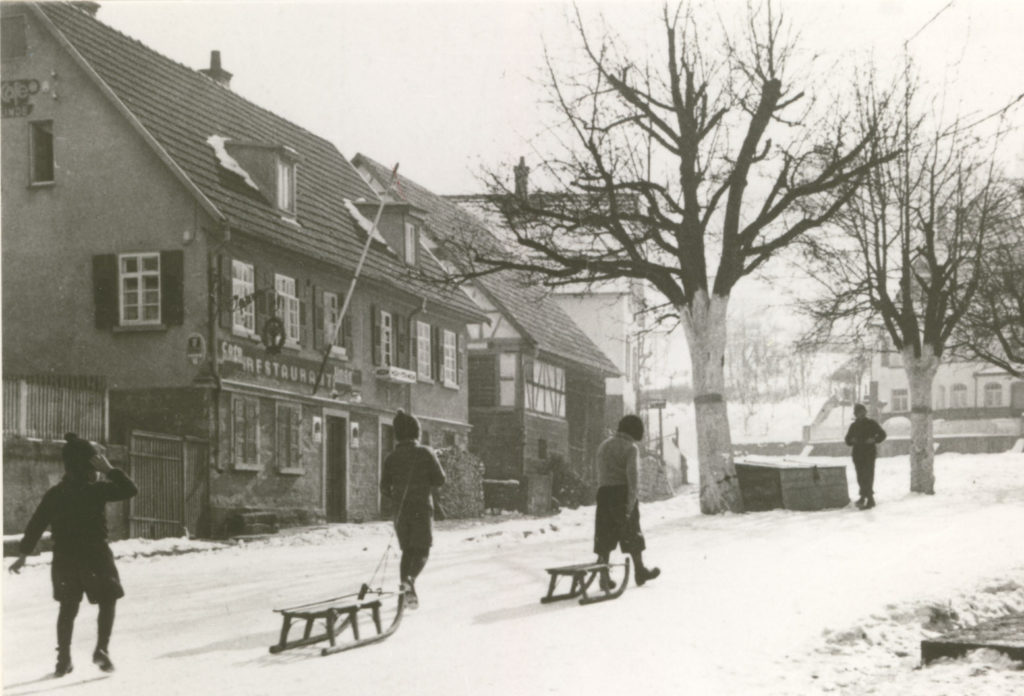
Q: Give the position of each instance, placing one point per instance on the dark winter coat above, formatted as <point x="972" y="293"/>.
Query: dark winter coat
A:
<point x="410" y="473"/>
<point x="863" y="435"/>
<point x="75" y="510"/>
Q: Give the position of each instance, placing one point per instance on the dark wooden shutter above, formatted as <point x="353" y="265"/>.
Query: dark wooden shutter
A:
<point x="302" y="290"/>
<point x="225" y="298"/>
<point x="346" y="334"/>
<point x="460" y="358"/>
<point x="436" y="353"/>
<point x="104" y="290"/>
<point x="375" y="334"/>
<point x="401" y="329"/>
<point x="263" y="284"/>
<point x="172" y="287"/>
<point x="319" y="340"/>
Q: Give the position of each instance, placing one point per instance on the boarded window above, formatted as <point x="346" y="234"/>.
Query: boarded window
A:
<point x="245" y="430"/>
<point x="41" y="155"/>
<point x="287" y="437"/>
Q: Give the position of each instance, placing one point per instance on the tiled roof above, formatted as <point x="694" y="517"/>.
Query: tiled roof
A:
<point x="530" y="307"/>
<point x="181" y="108"/>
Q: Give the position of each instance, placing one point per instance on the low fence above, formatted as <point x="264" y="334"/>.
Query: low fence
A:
<point x="44" y="407"/>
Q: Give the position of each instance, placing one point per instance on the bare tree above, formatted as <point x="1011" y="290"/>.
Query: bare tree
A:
<point x="909" y="262"/>
<point x="665" y="171"/>
<point x="993" y="331"/>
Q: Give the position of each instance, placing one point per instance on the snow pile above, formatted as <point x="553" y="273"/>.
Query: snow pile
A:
<point x="218" y="143"/>
<point x="363" y="221"/>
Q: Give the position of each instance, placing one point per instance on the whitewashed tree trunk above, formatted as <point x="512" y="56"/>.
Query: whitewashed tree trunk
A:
<point x="704" y="323"/>
<point x="920" y="375"/>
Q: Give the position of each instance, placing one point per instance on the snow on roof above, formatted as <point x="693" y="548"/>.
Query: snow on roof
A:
<point x="217" y="142"/>
<point x="363" y="221"/>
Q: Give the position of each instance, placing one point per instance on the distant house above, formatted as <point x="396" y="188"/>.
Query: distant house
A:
<point x="192" y="251"/>
<point x="536" y="380"/>
<point x="975" y="407"/>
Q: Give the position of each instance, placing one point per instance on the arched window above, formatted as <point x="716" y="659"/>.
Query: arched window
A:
<point x="958" y="396"/>
<point x="940" y="397"/>
<point x="993" y="395"/>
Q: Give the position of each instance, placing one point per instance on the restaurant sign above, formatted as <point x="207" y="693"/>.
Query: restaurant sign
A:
<point x="252" y="360"/>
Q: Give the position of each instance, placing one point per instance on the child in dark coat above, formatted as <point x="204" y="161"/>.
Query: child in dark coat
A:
<point x="82" y="560"/>
<point x="863" y="435"/>
<point x="410" y="473"/>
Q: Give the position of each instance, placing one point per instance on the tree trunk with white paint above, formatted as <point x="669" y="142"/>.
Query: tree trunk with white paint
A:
<point x="920" y="375"/>
<point x="704" y="323"/>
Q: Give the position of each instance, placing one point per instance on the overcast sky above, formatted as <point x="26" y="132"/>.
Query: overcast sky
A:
<point x="444" y="88"/>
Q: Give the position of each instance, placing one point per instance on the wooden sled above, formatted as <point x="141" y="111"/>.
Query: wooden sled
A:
<point x="338" y="613"/>
<point x="583" y="576"/>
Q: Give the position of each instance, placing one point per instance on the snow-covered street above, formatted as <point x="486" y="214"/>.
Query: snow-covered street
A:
<point x="765" y="603"/>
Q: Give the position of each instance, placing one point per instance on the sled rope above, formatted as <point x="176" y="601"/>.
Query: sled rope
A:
<point x="391" y="538"/>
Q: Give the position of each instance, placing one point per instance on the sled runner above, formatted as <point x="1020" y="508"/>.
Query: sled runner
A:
<point x="338" y="614"/>
<point x="583" y="576"/>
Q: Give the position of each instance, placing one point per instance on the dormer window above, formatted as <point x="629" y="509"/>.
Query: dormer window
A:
<point x="286" y="185"/>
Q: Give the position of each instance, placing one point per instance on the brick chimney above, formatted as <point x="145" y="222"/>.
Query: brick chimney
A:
<point x="215" y="72"/>
<point x="522" y="174"/>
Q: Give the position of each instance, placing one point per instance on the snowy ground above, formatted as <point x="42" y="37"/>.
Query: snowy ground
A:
<point x="765" y="603"/>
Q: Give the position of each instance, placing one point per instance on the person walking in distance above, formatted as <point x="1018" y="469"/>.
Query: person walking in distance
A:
<point x="410" y="473"/>
<point x="75" y="510"/>
<point x="617" y="522"/>
<point x="863" y="436"/>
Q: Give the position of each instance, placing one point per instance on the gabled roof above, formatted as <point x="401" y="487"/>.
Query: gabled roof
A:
<point x="178" y="109"/>
<point x="528" y="307"/>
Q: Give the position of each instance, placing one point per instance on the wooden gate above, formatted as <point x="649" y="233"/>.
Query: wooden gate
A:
<point x="171" y="473"/>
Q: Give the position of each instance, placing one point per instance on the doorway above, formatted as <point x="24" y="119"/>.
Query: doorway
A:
<point x="336" y="479"/>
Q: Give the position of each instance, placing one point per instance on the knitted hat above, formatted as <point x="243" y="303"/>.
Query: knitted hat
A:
<point x="76" y="454"/>
<point x="632" y="425"/>
<point x="406" y="426"/>
<point x="860" y="410"/>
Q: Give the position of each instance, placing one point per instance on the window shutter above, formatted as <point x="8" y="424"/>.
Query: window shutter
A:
<point x="375" y="334"/>
<point x="226" y="299"/>
<point x="319" y="340"/>
<point x="305" y="319"/>
<point x="346" y="334"/>
<point x="263" y="284"/>
<point x="414" y="345"/>
<point x="401" y="325"/>
<point x="460" y="358"/>
<point x="172" y="287"/>
<point x="436" y="354"/>
<point x="104" y="288"/>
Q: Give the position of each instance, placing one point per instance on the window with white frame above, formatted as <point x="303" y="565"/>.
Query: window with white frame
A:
<point x="286" y="185"/>
<point x="387" y="339"/>
<point x="507" y="379"/>
<point x="545" y="389"/>
<point x="410" y="243"/>
<point x="245" y="431"/>
<point x="993" y="395"/>
<point x="243" y="287"/>
<point x="139" y="288"/>
<point x="940" y="397"/>
<point x="423" y="350"/>
<point x="287" y="307"/>
<point x="958" y="396"/>
<point x="449" y="365"/>
<point x="900" y="400"/>
<point x="287" y="437"/>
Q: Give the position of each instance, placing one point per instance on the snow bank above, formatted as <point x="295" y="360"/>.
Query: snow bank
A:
<point x="218" y="143"/>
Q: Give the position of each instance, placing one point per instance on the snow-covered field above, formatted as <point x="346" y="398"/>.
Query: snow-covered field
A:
<point x="765" y="603"/>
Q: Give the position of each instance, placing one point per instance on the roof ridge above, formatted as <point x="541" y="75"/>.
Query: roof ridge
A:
<point x="71" y="5"/>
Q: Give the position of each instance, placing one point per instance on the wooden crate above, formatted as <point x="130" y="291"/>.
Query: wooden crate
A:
<point x="766" y="484"/>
